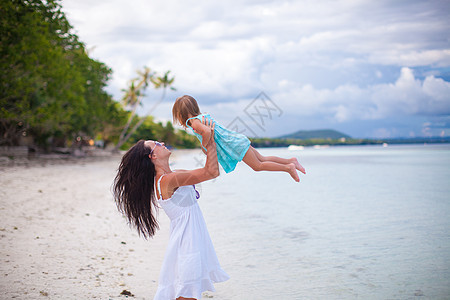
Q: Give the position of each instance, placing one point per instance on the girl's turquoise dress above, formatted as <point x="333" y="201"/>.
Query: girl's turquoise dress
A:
<point x="231" y="146"/>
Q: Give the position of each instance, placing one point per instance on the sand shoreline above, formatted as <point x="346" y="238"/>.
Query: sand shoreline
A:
<point x="63" y="238"/>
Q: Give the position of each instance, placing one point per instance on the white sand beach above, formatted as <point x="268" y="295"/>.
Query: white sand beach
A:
<point x="364" y="221"/>
<point x="63" y="238"/>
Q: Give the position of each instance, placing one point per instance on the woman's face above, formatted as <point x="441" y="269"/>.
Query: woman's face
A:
<point x="157" y="148"/>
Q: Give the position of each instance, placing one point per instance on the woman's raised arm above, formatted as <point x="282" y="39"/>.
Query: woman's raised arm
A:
<point x="190" y="177"/>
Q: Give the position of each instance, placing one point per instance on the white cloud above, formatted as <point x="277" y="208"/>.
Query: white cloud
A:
<point x="407" y="96"/>
<point x="410" y="96"/>
<point x="324" y="58"/>
<point x="439" y="58"/>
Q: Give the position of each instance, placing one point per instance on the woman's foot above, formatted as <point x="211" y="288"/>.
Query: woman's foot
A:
<point x="298" y="166"/>
<point x="293" y="172"/>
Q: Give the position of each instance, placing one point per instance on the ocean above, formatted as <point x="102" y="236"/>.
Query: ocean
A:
<point x="365" y="222"/>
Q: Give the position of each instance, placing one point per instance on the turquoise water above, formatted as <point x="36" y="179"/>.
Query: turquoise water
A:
<point x="366" y="222"/>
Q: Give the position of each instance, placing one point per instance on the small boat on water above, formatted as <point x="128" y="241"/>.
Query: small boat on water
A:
<point x="295" y="147"/>
<point x="385" y="145"/>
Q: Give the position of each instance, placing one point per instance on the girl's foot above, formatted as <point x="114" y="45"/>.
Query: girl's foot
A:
<point x="293" y="172"/>
<point x="298" y="166"/>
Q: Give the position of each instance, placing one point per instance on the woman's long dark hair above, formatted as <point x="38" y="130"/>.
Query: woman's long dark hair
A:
<point x="134" y="189"/>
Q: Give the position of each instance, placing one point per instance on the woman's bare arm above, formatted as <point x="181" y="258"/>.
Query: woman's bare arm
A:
<point x="189" y="177"/>
<point x="202" y="129"/>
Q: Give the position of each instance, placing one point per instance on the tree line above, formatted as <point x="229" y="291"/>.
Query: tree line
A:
<point x="52" y="94"/>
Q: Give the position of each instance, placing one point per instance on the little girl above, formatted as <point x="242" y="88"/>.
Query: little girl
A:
<point x="232" y="147"/>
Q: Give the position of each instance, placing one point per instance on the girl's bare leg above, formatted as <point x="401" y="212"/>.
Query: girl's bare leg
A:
<point x="251" y="159"/>
<point x="280" y="160"/>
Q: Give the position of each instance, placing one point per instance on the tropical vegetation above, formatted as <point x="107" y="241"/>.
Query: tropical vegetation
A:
<point x="52" y="93"/>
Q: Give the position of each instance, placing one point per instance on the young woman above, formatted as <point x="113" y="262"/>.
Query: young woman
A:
<point x="190" y="264"/>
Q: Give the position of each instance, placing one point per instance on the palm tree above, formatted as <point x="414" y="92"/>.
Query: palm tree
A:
<point x="133" y="98"/>
<point x="130" y="99"/>
<point x="159" y="82"/>
<point x="146" y="76"/>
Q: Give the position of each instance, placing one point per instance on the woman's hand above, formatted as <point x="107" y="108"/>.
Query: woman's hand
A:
<point x="211" y="168"/>
<point x="211" y="124"/>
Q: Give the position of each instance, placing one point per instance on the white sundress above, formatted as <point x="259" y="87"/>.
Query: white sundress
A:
<point x="190" y="264"/>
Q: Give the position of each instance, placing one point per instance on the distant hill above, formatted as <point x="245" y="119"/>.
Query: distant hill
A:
<point x="315" y="134"/>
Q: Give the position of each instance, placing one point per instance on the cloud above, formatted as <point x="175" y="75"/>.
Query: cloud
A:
<point x="259" y="34"/>
<point x="336" y="61"/>
<point x="411" y="96"/>
<point x="406" y="96"/>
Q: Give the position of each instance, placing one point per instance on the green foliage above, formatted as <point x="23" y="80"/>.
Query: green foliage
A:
<point x="133" y="97"/>
<point x="49" y="87"/>
<point x="320" y="134"/>
<point x="281" y="142"/>
<point x="149" y="130"/>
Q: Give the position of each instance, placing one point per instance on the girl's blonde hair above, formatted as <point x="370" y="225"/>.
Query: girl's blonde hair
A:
<point x="184" y="107"/>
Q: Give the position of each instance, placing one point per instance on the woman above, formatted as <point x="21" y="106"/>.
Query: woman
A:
<point x="190" y="265"/>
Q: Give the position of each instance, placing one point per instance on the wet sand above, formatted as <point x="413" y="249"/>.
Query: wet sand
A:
<point x="63" y="238"/>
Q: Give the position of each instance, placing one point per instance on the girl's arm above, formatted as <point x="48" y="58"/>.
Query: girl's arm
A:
<point x="201" y="128"/>
<point x="190" y="177"/>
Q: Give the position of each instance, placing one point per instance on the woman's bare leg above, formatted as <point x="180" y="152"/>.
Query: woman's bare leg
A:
<point x="280" y="160"/>
<point x="251" y="159"/>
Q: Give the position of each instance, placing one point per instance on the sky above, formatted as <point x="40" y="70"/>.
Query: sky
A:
<point x="370" y="69"/>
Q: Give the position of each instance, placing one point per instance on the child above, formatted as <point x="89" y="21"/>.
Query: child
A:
<point x="232" y="147"/>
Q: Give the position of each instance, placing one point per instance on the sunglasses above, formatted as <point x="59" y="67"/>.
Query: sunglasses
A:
<point x="156" y="144"/>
